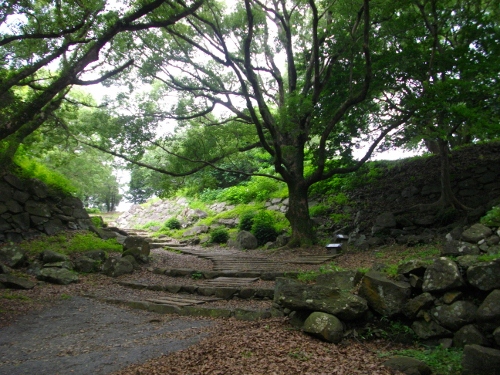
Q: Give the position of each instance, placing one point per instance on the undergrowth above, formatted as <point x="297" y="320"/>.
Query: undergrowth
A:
<point x="71" y="242"/>
<point x="442" y="361"/>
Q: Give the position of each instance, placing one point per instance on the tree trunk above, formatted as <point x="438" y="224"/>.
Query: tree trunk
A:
<point x="448" y="198"/>
<point x="303" y="233"/>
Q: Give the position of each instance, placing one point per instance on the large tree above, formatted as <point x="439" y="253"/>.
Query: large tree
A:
<point x="46" y="47"/>
<point x="447" y="66"/>
<point x="291" y="77"/>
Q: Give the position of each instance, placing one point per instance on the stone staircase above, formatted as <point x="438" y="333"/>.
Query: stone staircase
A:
<point x="234" y="276"/>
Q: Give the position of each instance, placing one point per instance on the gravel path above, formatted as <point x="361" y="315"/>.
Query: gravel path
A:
<point x="81" y="336"/>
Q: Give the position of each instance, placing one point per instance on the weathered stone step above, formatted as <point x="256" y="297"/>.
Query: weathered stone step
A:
<point x="313" y="259"/>
<point x="212" y="274"/>
<point x="181" y="301"/>
<point x="230" y="281"/>
<point x="219" y="292"/>
<point x="209" y="312"/>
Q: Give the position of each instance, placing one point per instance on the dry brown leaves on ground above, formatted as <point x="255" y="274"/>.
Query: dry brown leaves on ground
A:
<point x="265" y="347"/>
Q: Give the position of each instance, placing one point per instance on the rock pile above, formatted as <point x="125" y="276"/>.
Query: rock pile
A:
<point x="57" y="268"/>
<point x="450" y="300"/>
<point x="28" y="208"/>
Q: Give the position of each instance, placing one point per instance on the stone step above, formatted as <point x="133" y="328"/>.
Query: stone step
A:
<point x="230" y="281"/>
<point x="181" y="301"/>
<point x="239" y="314"/>
<point x="213" y="291"/>
<point x="212" y="274"/>
<point x="313" y="259"/>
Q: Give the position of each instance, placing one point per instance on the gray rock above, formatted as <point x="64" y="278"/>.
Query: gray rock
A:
<point x="136" y="254"/>
<point x="137" y="243"/>
<point x="49" y="256"/>
<point x="53" y="227"/>
<point x="294" y="295"/>
<point x="420" y="302"/>
<point x="485" y="276"/>
<point x="385" y="296"/>
<point x="459" y="248"/>
<point x="106" y="234"/>
<point x="65" y="264"/>
<point x="478" y="360"/>
<point x="415" y="266"/>
<point x="87" y="265"/>
<point x="467" y="261"/>
<point x="246" y="240"/>
<point x="195" y="231"/>
<point x="97" y="255"/>
<point x="12" y="256"/>
<point x="133" y="261"/>
<point x="14" y="282"/>
<point x="115" y="267"/>
<point x="386" y="220"/>
<point x="60" y="276"/>
<point x="442" y="275"/>
<point x="343" y="280"/>
<point x="407" y="365"/>
<point x="489" y="310"/>
<point x="468" y="335"/>
<point x="324" y="326"/>
<point x="37" y="209"/>
<point x="455" y="315"/>
<point x="429" y="330"/>
<point x="476" y="233"/>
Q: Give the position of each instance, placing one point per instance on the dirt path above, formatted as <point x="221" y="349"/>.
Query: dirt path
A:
<point x="82" y="336"/>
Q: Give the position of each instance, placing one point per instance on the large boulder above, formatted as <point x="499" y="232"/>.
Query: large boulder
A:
<point x="137" y="243"/>
<point x="14" y="282"/>
<point x="294" y="295"/>
<point x="442" y="275"/>
<point x="245" y="241"/>
<point x="489" y="310"/>
<point x="12" y="256"/>
<point x="408" y="365"/>
<point x="415" y="305"/>
<point x="385" y="296"/>
<point x="469" y="335"/>
<point x="478" y="360"/>
<point x="86" y="265"/>
<point x="429" y="330"/>
<point x="476" y="233"/>
<point x="459" y="248"/>
<point x="60" y="276"/>
<point x="485" y="276"/>
<point x="456" y="315"/>
<point x="343" y="280"/>
<point x="49" y="256"/>
<point x="115" y="267"/>
<point x="325" y="326"/>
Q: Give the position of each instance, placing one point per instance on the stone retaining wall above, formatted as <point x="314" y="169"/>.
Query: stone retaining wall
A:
<point x="28" y="208"/>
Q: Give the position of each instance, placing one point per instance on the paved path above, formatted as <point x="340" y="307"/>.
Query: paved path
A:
<point x="82" y="336"/>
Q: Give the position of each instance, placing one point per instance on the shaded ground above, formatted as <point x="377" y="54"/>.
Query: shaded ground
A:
<point x="54" y="329"/>
<point x="82" y="336"/>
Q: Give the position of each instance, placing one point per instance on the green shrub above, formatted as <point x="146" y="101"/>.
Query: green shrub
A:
<point x="246" y="220"/>
<point x="219" y="235"/>
<point x="263" y="227"/>
<point x="29" y="168"/>
<point x="318" y="210"/>
<point x="172" y="223"/>
<point x="492" y="217"/>
<point x="93" y="210"/>
<point x="97" y="221"/>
